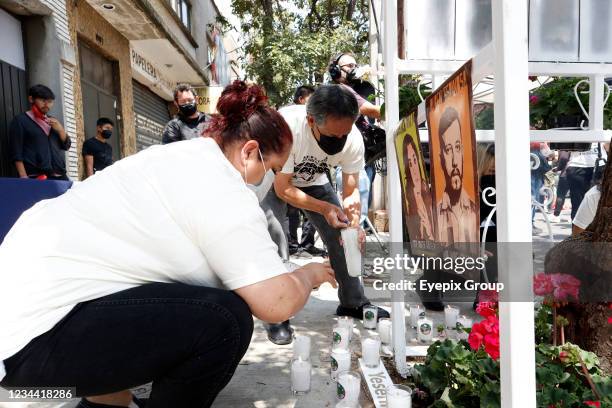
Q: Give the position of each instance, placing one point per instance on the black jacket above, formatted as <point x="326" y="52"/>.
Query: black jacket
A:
<point x="181" y="128"/>
<point x="40" y="154"/>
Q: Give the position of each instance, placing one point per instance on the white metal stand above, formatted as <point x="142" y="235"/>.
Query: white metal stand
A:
<point x="507" y="58"/>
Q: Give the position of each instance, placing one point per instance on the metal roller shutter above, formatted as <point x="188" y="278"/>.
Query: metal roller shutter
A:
<point x="151" y="116"/>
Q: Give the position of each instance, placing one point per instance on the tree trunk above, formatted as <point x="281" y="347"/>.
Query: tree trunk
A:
<point x="588" y="257"/>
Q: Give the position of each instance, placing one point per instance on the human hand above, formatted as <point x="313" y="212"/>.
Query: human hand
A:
<point x="55" y="124"/>
<point x="320" y="273"/>
<point x="335" y="216"/>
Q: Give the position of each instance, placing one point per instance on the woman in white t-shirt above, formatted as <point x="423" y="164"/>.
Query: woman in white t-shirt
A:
<point x="151" y="269"/>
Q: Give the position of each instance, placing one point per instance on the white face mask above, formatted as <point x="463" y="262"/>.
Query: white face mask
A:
<point x="246" y="180"/>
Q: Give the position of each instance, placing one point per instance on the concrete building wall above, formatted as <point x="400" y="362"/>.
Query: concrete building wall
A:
<point x="89" y="26"/>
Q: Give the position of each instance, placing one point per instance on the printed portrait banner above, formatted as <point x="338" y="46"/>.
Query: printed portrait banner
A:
<point x="454" y="177"/>
<point x="416" y="196"/>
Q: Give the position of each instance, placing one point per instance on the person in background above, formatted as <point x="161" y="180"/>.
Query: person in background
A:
<point x="486" y="180"/>
<point x="37" y="141"/>
<point x="177" y="259"/>
<point x="586" y="212"/>
<point x="562" y="185"/>
<point x="342" y="70"/>
<point x="97" y="153"/>
<point x="189" y="122"/>
<point x="588" y="207"/>
<point x="579" y="173"/>
<point x="539" y="168"/>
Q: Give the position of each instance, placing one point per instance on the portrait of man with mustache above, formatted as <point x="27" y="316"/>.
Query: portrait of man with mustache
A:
<point x="456" y="211"/>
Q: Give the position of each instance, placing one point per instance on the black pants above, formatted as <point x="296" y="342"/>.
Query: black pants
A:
<point x="308" y="230"/>
<point x="562" y="189"/>
<point x="579" y="180"/>
<point x="187" y="340"/>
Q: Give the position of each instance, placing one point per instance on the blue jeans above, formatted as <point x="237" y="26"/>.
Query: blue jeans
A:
<point x="537" y="181"/>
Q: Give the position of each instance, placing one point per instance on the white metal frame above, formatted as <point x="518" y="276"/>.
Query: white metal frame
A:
<point x="507" y="58"/>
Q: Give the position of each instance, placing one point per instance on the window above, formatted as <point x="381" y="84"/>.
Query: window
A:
<point x="182" y="8"/>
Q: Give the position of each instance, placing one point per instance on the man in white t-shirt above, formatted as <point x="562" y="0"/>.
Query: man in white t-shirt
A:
<point x="324" y="136"/>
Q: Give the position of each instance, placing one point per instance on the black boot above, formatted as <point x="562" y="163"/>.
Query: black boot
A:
<point x="280" y="333"/>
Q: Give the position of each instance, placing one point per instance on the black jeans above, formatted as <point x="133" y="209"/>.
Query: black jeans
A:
<point x="308" y="230"/>
<point x="187" y="340"/>
<point x="562" y="189"/>
<point x="579" y="180"/>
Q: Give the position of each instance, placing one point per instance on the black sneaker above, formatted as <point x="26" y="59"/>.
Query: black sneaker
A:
<point x="314" y="251"/>
<point x="357" y="312"/>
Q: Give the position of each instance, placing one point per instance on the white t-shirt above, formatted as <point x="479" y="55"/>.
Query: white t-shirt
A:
<point x="588" y="207"/>
<point x="588" y="158"/>
<point x="174" y="213"/>
<point x="307" y="161"/>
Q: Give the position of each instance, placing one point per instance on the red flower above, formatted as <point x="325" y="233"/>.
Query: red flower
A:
<point x="486" y="333"/>
<point x="565" y="286"/>
<point x="542" y="284"/>
<point x="533" y="99"/>
<point x="486" y="309"/>
<point x="491" y="343"/>
<point x="475" y="339"/>
<point x="564" y="356"/>
<point x="593" y="403"/>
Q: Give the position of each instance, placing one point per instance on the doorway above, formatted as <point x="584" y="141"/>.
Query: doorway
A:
<point x="98" y="86"/>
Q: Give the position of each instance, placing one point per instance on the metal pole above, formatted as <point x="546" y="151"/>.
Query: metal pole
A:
<point x="596" y="102"/>
<point x="394" y="203"/>
<point x="514" y="202"/>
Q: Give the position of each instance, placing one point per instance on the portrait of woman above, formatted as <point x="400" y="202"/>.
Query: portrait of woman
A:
<point x="417" y="196"/>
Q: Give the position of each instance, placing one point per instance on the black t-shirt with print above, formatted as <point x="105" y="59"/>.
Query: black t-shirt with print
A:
<point x="102" y="153"/>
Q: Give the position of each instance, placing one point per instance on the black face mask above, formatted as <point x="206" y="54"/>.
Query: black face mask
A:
<point x="331" y="145"/>
<point x="107" y="134"/>
<point x="188" y="109"/>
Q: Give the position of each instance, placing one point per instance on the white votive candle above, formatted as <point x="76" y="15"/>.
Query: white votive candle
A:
<point x="352" y="252"/>
<point x="348" y="386"/>
<point x="370" y="316"/>
<point x="340" y="337"/>
<point x="463" y="322"/>
<point x="340" y="361"/>
<point x="384" y="330"/>
<point x="424" y="329"/>
<point x="300" y="376"/>
<point x="399" y="396"/>
<point x="450" y="316"/>
<point x="415" y="313"/>
<point x="347" y="321"/>
<point x="301" y="347"/>
<point x="370" y="350"/>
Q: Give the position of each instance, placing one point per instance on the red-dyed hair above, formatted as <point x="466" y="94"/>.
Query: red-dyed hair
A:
<point x="244" y="115"/>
